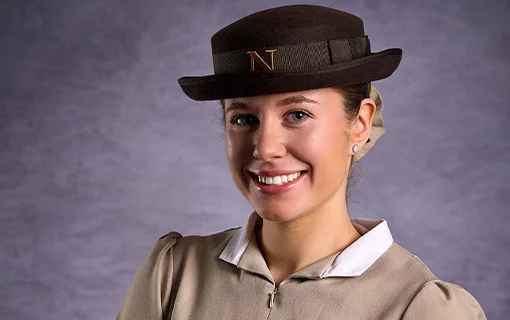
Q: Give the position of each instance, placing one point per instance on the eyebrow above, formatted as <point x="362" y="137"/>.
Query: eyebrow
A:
<point x="238" y="105"/>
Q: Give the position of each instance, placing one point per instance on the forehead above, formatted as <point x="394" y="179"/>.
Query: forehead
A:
<point x="310" y="97"/>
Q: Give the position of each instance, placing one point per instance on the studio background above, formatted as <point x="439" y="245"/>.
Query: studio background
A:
<point x="101" y="153"/>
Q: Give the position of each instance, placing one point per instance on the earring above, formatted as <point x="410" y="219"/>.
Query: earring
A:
<point x="355" y="148"/>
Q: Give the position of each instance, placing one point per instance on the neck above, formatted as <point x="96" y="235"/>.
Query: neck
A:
<point x="291" y="246"/>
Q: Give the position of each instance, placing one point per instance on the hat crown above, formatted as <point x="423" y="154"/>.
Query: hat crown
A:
<point x="287" y="25"/>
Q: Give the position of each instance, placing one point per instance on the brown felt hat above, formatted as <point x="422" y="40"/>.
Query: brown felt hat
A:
<point x="294" y="48"/>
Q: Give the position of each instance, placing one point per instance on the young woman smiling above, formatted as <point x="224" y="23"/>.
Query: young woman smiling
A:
<point x="308" y="134"/>
<point x="298" y="110"/>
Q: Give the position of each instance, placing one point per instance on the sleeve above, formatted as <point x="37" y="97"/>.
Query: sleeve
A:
<point x="443" y="300"/>
<point x="150" y="291"/>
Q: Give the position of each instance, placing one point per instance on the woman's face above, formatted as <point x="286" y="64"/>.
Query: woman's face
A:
<point x="300" y="132"/>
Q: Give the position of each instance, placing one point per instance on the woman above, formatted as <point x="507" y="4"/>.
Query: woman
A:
<point x="298" y="109"/>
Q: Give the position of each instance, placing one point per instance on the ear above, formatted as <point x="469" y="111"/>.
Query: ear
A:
<point x="362" y="126"/>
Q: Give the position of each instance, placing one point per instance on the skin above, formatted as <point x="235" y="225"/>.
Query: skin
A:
<point x="284" y="131"/>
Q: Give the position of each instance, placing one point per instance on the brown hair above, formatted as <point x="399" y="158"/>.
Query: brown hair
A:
<point x="352" y="97"/>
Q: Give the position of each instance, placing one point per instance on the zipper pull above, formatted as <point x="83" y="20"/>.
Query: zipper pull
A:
<point x="271" y="301"/>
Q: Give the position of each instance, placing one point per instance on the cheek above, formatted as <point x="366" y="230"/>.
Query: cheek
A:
<point x="236" y="149"/>
<point x="324" y="143"/>
<point x="229" y="144"/>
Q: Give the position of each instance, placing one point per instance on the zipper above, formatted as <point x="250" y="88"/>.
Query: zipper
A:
<point x="271" y="301"/>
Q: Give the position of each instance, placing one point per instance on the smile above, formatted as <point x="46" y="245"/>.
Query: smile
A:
<point x="277" y="185"/>
<point x="279" y="180"/>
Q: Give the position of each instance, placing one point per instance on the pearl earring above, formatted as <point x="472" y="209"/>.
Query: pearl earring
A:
<point x="355" y="148"/>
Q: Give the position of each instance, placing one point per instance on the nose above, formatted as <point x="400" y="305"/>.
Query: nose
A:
<point x="268" y="140"/>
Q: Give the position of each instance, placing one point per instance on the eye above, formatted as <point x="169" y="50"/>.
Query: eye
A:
<point x="298" y="115"/>
<point x="242" y="119"/>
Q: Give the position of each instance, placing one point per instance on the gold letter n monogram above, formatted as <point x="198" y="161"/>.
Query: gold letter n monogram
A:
<point x="254" y="56"/>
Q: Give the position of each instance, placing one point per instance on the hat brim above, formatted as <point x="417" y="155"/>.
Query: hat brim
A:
<point x="375" y="66"/>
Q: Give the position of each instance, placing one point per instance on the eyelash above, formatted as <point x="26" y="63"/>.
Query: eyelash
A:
<point x="234" y="118"/>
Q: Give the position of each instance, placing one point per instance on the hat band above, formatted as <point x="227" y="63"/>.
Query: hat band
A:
<point x="305" y="56"/>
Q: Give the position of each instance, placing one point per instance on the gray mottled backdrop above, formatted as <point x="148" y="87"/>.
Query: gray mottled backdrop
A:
<point x="101" y="153"/>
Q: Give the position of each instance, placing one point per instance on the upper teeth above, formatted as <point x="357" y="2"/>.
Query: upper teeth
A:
<point x="279" y="180"/>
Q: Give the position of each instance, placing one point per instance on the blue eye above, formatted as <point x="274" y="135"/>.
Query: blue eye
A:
<point x="302" y="115"/>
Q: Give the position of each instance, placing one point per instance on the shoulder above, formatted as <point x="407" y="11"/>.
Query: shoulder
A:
<point x="162" y="250"/>
<point x="424" y="295"/>
<point x="149" y="296"/>
<point x="166" y="241"/>
<point x="173" y="250"/>
<point x="193" y="244"/>
<point x="437" y="299"/>
<point x="404" y="265"/>
<point x="434" y="298"/>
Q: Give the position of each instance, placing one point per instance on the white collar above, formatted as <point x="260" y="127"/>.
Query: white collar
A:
<point x="351" y="262"/>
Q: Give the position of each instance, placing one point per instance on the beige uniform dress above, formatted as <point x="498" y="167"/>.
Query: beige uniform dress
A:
<point x="224" y="276"/>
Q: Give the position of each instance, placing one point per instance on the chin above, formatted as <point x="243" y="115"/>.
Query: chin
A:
<point x="278" y="214"/>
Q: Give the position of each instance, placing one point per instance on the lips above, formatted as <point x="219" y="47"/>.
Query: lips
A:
<point x="274" y="190"/>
